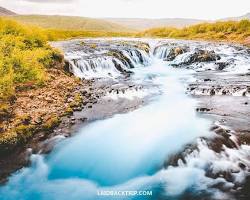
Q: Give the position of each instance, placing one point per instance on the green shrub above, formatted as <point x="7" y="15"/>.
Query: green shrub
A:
<point x="24" y="56"/>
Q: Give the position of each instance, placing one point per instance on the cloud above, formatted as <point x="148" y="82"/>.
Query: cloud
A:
<point x="50" y="1"/>
<point x="131" y="8"/>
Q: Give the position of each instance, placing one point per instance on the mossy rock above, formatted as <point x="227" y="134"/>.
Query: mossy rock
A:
<point x="24" y="119"/>
<point x="82" y="43"/>
<point x="51" y="123"/>
<point x="77" y="101"/>
<point x="68" y="111"/>
<point x="5" y="112"/>
<point x="24" y="132"/>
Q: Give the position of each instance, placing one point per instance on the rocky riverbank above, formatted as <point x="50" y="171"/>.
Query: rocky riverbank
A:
<point x="35" y="113"/>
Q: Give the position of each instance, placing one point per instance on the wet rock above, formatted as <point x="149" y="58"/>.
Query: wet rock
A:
<point x="203" y="56"/>
<point x="67" y="67"/>
<point x="83" y="119"/>
<point x="79" y="108"/>
<point x="174" y="52"/>
<point x="203" y="109"/>
<point x="119" y="68"/>
<point x="221" y="65"/>
<point x="242" y="165"/>
<point x="212" y="92"/>
<point x="72" y="120"/>
<point x="84" y="92"/>
<point x="119" y="55"/>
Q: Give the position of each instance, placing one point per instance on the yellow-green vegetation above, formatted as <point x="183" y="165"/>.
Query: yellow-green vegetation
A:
<point x="75" y="104"/>
<point x="19" y="134"/>
<point x="224" y="31"/>
<point x="56" y="34"/>
<point x="68" y="111"/>
<point x="51" y="123"/>
<point x="70" y="23"/>
<point x="24" y="57"/>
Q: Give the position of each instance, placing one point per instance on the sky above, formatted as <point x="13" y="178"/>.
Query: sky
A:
<point x="197" y="9"/>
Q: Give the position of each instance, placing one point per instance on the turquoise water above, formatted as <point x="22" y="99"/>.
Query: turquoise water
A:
<point x="122" y="153"/>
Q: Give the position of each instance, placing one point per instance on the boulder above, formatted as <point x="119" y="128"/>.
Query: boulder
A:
<point x="221" y="65"/>
<point x="174" y="52"/>
<point x="203" y="56"/>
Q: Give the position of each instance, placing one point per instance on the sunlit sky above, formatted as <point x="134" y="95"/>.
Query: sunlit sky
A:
<point x="198" y="9"/>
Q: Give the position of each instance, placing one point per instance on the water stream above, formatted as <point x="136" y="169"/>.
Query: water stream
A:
<point x="126" y="152"/>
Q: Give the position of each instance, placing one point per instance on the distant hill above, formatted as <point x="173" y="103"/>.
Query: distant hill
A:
<point x="246" y="16"/>
<point x="6" y="12"/>
<point x="142" y="24"/>
<point x="71" y="23"/>
<point x="106" y="24"/>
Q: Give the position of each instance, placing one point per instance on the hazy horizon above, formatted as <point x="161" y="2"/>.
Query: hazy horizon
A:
<point x="131" y="8"/>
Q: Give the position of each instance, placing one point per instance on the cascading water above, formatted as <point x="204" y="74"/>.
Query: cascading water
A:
<point x="164" y="147"/>
<point x="106" y="61"/>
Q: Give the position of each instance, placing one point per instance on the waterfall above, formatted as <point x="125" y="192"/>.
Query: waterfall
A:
<point x="109" y="61"/>
<point x="161" y="51"/>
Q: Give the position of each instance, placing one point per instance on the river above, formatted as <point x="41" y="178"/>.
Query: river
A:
<point x="129" y="151"/>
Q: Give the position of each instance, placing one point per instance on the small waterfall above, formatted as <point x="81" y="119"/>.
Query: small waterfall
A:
<point x="109" y="61"/>
<point x="162" y="51"/>
<point x="97" y="67"/>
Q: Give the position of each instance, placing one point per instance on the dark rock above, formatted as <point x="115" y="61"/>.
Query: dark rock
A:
<point x="83" y="119"/>
<point x="242" y="166"/>
<point x="221" y="65"/>
<point x="203" y="109"/>
<point x="202" y="56"/>
<point x="67" y="67"/>
<point x="212" y="92"/>
<point x="174" y="52"/>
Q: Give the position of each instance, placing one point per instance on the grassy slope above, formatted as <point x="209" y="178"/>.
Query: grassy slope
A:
<point x="70" y="23"/>
<point x="30" y="71"/>
<point x="230" y="31"/>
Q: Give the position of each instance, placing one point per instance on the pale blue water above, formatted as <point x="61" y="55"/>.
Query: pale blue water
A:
<point x="125" y="152"/>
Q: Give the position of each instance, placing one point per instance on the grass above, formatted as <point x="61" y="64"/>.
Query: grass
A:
<point x="222" y="31"/>
<point x="55" y="34"/>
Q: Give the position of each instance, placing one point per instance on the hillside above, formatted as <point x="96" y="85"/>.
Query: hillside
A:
<point x="143" y="24"/>
<point x="246" y="16"/>
<point x="232" y="31"/>
<point x="6" y="12"/>
<point x="70" y="23"/>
